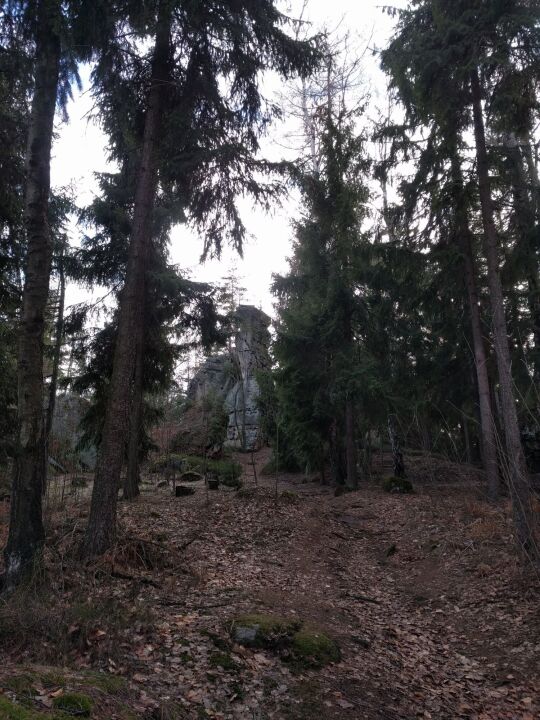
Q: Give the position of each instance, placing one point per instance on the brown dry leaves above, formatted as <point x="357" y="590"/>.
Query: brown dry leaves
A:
<point x="422" y="593"/>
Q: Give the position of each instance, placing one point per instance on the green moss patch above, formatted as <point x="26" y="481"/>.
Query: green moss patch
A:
<point x="314" y="649"/>
<point x="295" y="642"/>
<point x="22" y="685"/>
<point x="75" y="704"/>
<point x="11" y="711"/>
<point x="78" y="694"/>
<point x="396" y="485"/>
<point x="264" y="631"/>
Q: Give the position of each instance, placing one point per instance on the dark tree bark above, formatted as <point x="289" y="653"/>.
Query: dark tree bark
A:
<point x="101" y="528"/>
<point x="335" y="454"/>
<point x="350" y="445"/>
<point x="131" y="482"/>
<point x="487" y="420"/>
<point x="397" y="455"/>
<point x="425" y="434"/>
<point x="26" y="534"/>
<point x="466" y="438"/>
<point x="519" y="486"/>
<point x="57" y="354"/>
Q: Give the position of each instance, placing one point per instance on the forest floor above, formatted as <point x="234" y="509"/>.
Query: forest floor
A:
<point x="423" y="594"/>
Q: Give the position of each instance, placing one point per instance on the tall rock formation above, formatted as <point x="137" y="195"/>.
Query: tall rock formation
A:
<point x="230" y="378"/>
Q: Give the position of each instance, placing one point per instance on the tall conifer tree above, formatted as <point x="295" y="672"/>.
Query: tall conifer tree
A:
<point x="203" y="114"/>
<point x="50" y="29"/>
<point x="441" y="44"/>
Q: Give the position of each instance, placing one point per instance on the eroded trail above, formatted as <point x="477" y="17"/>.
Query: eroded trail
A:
<point x="421" y="592"/>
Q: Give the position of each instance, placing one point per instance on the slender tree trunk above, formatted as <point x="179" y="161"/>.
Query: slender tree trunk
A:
<point x="53" y="387"/>
<point x="525" y="220"/>
<point x="368" y="454"/>
<point x="334" y="453"/>
<point x="322" y="468"/>
<point x="520" y="492"/>
<point x="425" y="434"/>
<point x="101" y="528"/>
<point x="26" y="534"/>
<point x="131" y="482"/>
<point x="397" y="455"/>
<point x="466" y="438"/>
<point x="350" y="445"/>
<point x="487" y="421"/>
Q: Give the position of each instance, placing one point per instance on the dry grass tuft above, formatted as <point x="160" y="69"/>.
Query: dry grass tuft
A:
<point x="486" y="529"/>
<point x="478" y="510"/>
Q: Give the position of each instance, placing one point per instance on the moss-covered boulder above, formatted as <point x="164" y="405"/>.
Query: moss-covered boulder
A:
<point x="400" y="486"/>
<point x="264" y="631"/>
<point x="295" y="641"/>
<point x="313" y="648"/>
<point x="194" y="467"/>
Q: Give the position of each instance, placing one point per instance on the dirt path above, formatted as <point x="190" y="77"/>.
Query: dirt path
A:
<point x="433" y="618"/>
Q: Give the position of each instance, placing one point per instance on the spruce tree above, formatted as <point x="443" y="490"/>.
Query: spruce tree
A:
<point x="203" y="114"/>
<point x="439" y="45"/>
<point x="178" y="314"/>
<point x="15" y="83"/>
<point x="320" y="311"/>
<point x="51" y="31"/>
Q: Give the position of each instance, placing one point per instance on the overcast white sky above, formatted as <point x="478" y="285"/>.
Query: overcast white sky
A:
<point x="80" y="151"/>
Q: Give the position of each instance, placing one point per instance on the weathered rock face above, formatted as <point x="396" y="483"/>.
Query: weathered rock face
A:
<point x="232" y="377"/>
<point x="215" y="377"/>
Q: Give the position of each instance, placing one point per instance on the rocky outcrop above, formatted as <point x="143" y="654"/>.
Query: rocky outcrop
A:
<point x="231" y="378"/>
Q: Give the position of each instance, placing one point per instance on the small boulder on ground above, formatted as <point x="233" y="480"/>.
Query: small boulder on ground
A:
<point x="292" y="639"/>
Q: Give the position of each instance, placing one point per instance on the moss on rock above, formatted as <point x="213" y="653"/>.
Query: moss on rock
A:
<point x="312" y="648"/>
<point x="265" y="631"/>
<point x="301" y="645"/>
